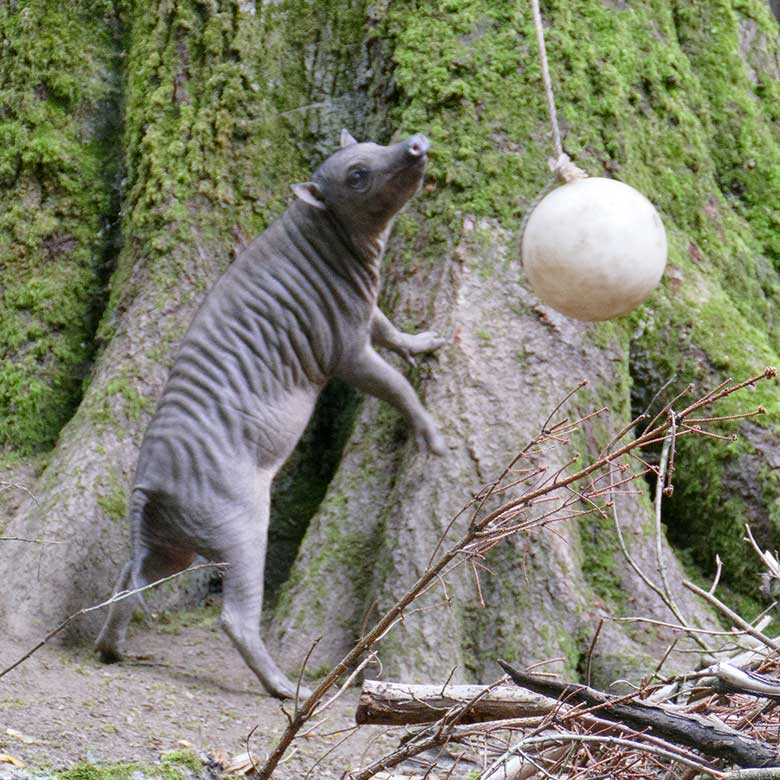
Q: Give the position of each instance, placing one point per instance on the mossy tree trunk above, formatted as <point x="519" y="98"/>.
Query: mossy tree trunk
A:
<point x="217" y="123"/>
<point x="59" y="168"/>
<point x="222" y="110"/>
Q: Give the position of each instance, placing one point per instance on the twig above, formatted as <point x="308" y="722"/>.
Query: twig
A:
<point x="300" y="675"/>
<point x="447" y="681"/>
<point x="592" y="648"/>
<point x="562" y="403"/>
<point x="728" y="417"/>
<point x="733" y="616"/>
<point x="124" y="594"/>
<point x="248" y="751"/>
<point x="660" y="491"/>
<point x="769" y="560"/>
<point x="622" y="432"/>
<point x="16" y="486"/>
<point x="371" y="658"/>
<point x="747" y="682"/>
<point x="669" y="469"/>
<point x="330" y="750"/>
<point x="627" y="555"/>
<point x="31" y="541"/>
<point x="722" y="391"/>
<point x="658" y="393"/>
<point x="718" y="571"/>
<point x="677" y="627"/>
<point x="669" y="405"/>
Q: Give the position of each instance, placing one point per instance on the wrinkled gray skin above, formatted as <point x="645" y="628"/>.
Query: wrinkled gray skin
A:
<point x="295" y="309"/>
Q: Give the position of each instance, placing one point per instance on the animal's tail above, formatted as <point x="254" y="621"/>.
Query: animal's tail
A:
<point x="135" y="512"/>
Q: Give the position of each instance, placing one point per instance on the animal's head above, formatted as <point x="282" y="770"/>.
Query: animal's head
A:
<point x="365" y="185"/>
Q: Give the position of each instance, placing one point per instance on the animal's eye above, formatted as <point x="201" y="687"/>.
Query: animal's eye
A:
<point x="357" y="178"/>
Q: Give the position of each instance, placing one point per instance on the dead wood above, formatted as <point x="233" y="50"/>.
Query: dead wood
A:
<point x="400" y="704"/>
<point x="706" y="734"/>
<point x="734" y="679"/>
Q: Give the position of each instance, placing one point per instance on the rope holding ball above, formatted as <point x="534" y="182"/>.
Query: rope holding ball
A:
<point x="592" y="248"/>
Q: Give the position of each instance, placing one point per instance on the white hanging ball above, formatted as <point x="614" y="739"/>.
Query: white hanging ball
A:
<point x="594" y="249"/>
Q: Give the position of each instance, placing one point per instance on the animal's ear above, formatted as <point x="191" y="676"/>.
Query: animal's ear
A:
<point x="346" y="138"/>
<point x="309" y="193"/>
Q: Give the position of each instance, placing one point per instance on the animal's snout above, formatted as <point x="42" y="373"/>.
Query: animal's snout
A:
<point x="418" y="145"/>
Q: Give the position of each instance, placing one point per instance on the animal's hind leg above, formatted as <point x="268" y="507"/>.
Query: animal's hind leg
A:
<point x="150" y="566"/>
<point x="242" y="590"/>
<point x="110" y="641"/>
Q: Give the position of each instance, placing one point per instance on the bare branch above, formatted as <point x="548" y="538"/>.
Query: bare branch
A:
<point x="733" y="616"/>
<point x="30" y="541"/>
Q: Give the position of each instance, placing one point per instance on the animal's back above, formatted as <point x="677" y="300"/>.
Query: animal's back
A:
<point x="266" y="340"/>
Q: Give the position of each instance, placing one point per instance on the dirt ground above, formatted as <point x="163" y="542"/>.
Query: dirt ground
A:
<point x="182" y="683"/>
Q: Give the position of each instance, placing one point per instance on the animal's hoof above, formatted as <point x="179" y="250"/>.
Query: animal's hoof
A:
<point x="420" y="343"/>
<point x="289" y="691"/>
<point x="107" y="655"/>
<point x="437" y="445"/>
<point x="432" y="441"/>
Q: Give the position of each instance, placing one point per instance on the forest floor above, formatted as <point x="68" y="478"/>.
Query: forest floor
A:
<point x="182" y="684"/>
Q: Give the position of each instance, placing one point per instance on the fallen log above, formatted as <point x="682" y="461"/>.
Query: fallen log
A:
<point x="704" y="733"/>
<point x="399" y="704"/>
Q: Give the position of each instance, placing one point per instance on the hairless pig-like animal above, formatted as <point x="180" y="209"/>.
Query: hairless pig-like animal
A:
<point x="296" y="308"/>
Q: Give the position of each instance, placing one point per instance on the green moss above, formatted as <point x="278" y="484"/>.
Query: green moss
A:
<point x="600" y="552"/>
<point x="134" y="403"/>
<point x="485" y="336"/>
<point x="181" y="758"/>
<point x="456" y="66"/>
<point x="556" y="641"/>
<point x="58" y="163"/>
<point x="209" y="155"/>
<point x="174" y="765"/>
<point x="743" y="120"/>
<point x="117" y="402"/>
<point x="218" y="123"/>
<point x="113" y="500"/>
<point x="720" y="317"/>
<point x="714" y="480"/>
<point x="94" y="772"/>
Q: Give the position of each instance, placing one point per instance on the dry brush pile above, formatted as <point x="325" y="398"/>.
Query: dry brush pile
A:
<point x="719" y="720"/>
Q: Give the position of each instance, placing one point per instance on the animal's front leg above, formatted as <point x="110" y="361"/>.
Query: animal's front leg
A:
<point x="385" y="334"/>
<point x="369" y="373"/>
